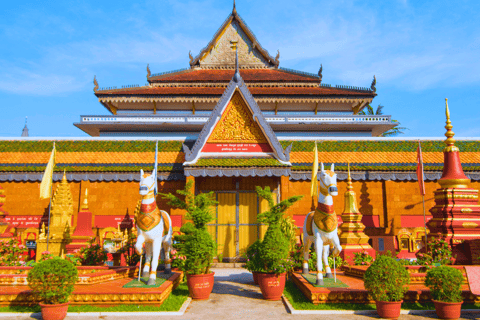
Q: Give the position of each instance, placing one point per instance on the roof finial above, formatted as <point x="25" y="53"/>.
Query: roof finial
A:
<point x="85" y="201"/>
<point x="349" y="179"/>
<point x="95" y="89"/>
<point x="277" y="59"/>
<point x="25" y="129"/>
<point x="191" y="57"/>
<point x="234" y="11"/>
<point x="374" y="83"/>
<point x="148" y="71"/>
<point x="320" y="75"/>
<point x="236" y="76"/>
<point x="449" y="134"/>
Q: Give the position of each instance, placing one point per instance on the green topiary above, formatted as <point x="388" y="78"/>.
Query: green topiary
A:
<point x="196" y="243"/>
<point x="386" y="279"/>
<point x="252" y="255"/>
<point x="52" y="280"/>
<point x="274" y="250"/>
<point x="445" y="284"/>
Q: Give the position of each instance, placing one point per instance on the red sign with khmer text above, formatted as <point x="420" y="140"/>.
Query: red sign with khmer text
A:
<point x="237" y="147"/>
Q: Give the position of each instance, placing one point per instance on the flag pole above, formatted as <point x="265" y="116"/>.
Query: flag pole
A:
<point x="422" y="191"/>
<point x="156" y="168"/>
<point x="50" y="206"/>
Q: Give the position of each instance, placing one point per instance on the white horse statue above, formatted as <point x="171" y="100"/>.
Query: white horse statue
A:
<point x="320" y="226"/>
<point x="151" y="223"/>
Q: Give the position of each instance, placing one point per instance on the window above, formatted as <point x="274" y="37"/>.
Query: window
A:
<point x="381" y="245"/>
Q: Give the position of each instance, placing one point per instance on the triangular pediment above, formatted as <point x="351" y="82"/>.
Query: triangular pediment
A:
<point x="236" y="131"/>
<point x="236" y="127"/>
<point x="219" y="54"/>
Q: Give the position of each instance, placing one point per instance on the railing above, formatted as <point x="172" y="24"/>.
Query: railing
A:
<point x="159" y="118"/>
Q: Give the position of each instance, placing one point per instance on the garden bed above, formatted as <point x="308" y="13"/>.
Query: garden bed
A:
<point x="110" y="293"/>
<point x="356" y="293"/>
<point x="87" y="275"/>
<point x="417" y="273"/>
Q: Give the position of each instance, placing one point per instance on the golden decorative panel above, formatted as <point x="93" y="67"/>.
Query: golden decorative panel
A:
<point x="236" y="124"/>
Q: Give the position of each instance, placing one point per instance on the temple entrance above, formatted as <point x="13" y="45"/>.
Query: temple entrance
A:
<point x="235" y="226"/>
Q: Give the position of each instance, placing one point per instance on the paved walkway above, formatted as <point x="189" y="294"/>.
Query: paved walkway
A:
<point x="235" y="296"/>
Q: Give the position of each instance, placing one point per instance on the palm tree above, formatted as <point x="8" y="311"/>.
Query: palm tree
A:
<point x="368" y="111"/>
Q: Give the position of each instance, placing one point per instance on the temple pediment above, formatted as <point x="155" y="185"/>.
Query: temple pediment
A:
<point x="218" y="53"/>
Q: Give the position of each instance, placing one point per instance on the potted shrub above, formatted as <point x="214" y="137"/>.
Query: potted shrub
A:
<point x="196" y="243"/>
<point x="274" y="251"/>
<point x="445" y="284"/>
<point x="52" y="282"/>
<point x="253" y="262"/>
<point x="387" y="281"/>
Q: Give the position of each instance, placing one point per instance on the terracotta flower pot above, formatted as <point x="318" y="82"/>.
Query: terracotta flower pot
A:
<point x="255" y="277"/>
<point x="271" y="285"/>
<point x="448" y="310"/>
<point x="200" y="285"/>
<point x="54" y="311"/>
<point x="389" y="309"/>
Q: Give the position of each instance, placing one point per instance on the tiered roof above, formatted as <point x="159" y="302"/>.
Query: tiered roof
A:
<point x="211" y="70"/>
<point x="118" y="159"/>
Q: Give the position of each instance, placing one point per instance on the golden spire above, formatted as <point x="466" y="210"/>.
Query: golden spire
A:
<point x="64" y="178"/>
<point x="349" y="179"/>
<point x="449" y="134"/>
<point x="84" y="206"/>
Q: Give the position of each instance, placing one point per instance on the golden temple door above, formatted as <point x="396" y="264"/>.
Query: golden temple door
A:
<point x="235" y="226"/>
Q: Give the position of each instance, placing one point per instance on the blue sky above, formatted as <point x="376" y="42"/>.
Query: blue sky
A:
<point x="420" y="51"/>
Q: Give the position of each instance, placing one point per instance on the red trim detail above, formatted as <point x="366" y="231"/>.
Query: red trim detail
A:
<point x="147" y="208"/>
<point x="237" y="147"/>
<point x="325" y="208"/>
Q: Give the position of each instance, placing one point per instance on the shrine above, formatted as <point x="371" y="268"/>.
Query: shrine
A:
<point x="232" y="120"/>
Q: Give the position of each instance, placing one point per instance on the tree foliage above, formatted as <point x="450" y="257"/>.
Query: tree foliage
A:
<point x="445" y="284"/>
<point x="368" y="111"/>
<point x="386" y="279"/>
<point x="52" y="280"/>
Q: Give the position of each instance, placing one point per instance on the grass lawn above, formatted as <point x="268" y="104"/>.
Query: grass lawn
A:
<point x="172" y="303"/>
<point x="300" y="302"/>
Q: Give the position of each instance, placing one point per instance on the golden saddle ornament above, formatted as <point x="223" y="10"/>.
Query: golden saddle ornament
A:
<point x="148" y="217"/>
<point x="325" y="218"/>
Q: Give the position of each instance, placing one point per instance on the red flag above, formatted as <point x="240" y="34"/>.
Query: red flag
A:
<point x="421" y="184"/>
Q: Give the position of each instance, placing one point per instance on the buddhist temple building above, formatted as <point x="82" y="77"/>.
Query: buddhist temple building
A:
<point x="233" y="120"/>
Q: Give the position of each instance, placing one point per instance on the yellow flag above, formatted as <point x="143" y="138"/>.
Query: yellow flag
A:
<point x="314" y="187"/>
<point x="46" y="185"/>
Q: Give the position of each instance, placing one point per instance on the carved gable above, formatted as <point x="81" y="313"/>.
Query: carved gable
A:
<point x="237" y="125"/>
<point x="236" y="131"/>
<point x="221" y="53"/>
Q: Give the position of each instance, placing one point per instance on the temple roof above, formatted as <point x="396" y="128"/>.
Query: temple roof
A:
<point x="248" y="75"/>
<point x="218" y="91"/>
<point x="25" y="160"/>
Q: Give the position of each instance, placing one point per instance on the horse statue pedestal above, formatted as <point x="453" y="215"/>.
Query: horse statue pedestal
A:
<point x="320" y="226"/>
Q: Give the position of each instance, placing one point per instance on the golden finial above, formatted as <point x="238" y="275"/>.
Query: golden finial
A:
<point x="234" y="8"/>
<point x="95" y="89"/>
<point x="449" y="134"/>
<point x="64" y="178"/>
<point x="85" y="200"/>
<point x="349" y="179"/>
